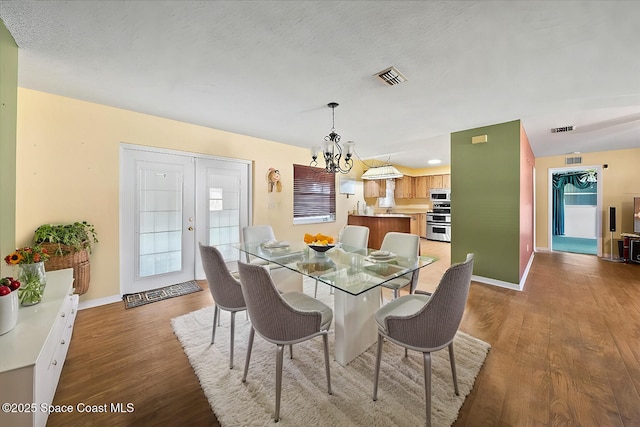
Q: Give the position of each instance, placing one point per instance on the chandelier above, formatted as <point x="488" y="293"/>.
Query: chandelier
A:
<point x="332" y="151"/>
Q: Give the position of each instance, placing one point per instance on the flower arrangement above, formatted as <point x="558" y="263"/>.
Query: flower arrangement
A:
<point x="27" y="255"/>
<point x="32" y="275"/>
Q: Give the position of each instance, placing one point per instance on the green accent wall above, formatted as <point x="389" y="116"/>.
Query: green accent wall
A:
<point x="485" y="200"/>
<point x="8" y="121"/>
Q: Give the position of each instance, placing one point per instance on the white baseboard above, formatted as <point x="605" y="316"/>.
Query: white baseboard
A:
<point x="508" y="285"/>
<point x="100" y="301"/>
<point x="495" y="282"/>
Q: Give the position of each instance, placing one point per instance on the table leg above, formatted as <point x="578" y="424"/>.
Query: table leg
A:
<point x="355" y="326"/>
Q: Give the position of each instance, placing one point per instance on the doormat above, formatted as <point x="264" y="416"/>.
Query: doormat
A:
<point x="147" y="297"/>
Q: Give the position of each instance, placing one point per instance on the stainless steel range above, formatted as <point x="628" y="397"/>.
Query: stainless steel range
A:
<point x="439" y="222"/>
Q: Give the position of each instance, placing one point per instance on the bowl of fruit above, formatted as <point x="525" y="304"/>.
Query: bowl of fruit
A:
<point x="8" y="304"/>
<point x="320" y="243"/>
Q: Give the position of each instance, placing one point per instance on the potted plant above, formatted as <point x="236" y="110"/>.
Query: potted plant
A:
<point x="69" y="246"/>
<point x="68" y="237"/>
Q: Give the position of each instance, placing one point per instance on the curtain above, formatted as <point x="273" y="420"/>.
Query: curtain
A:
<point x="579" y="179"/>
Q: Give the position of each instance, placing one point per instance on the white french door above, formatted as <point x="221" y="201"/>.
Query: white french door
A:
<point x="222" y="205"/>
<point x="170" y="201"/>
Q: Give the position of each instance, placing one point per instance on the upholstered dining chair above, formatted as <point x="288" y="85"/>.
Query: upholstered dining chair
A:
<point x="355" y="238"/>
<point x="404" y="245"/>
<point x="282" y="319"/>
<point x="225" y="290"/>
<point x="426" y="323"/>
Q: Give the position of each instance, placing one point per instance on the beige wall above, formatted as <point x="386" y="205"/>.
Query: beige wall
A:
<point x="621" y="183"/>
<point x="68" y="170"/>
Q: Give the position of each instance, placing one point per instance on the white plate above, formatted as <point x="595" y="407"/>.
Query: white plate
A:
<point x="275" y="245"/>
<point x="381" y="259"/>
<point x="381" y="254"/>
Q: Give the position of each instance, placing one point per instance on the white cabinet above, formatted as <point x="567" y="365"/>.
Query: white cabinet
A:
<point x="33" y="353"/>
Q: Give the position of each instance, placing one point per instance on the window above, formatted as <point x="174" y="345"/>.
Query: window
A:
<point x="314" y="195"/>
<point x="580" y="196"/>
<point x="388" y="201"/>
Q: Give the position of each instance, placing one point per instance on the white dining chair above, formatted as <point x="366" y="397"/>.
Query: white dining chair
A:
<point x="285" y="279"/>
<point x="404" y="245"/>
<point x="258" y="233"/>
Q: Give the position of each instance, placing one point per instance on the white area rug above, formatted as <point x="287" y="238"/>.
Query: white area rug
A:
<point x="305" y="401"/>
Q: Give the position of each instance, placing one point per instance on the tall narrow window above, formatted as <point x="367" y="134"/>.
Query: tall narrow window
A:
<point x="314" y="195"/>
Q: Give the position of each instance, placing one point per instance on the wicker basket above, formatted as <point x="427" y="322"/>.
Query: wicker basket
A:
<point x="70" y="258"/>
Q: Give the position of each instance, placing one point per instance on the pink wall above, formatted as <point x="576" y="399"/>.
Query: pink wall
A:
<point x="527" y="164"/>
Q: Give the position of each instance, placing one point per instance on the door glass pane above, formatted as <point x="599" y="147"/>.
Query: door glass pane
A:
<point x="224" y="211"/>
<point x="160" y="221"/>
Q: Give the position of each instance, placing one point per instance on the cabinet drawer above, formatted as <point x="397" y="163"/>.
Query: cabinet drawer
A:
<point x="49" y="367"/>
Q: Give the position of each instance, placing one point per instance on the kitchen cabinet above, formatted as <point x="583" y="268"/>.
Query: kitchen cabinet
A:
<point x="404" y="187"/>
<point x="422" y="184"/>
<point x="407" y="187"/>
<point x="375" y="188"/>
<point x="421" y="187"/>
<point x="446" y="181"/>
<point x="34" y="351"/>
<point x="381" y="225"/>
<point x="414" y="227"/>
<point x="436" y="181"/>
<point x="422" y="219"/>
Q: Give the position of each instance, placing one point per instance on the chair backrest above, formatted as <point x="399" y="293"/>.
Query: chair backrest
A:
<point x="436" y="324"/>
<point x="355" y="236"/>
<point x="257" y="233"/>
<point x="271" y="316"/>
<point x="224" y="288"/>
<point x="403" y="244"/>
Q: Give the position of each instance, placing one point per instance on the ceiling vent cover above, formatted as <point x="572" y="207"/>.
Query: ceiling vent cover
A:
<point x="391" y="76"/>
<point x="573" y="160"/>
<point x="563" y="129"/>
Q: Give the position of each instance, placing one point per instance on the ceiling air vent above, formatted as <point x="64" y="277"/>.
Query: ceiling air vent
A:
<point x="391" y="76"/>
<point x="563" y="129"/>
<point x="572" y="160"/>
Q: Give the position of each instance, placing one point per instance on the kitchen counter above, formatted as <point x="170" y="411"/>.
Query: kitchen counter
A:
<point x="382" y="223"/>
<point x="385" y="215"/>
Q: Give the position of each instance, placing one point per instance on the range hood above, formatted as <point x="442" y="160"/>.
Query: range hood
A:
<point x="382" y="172"/>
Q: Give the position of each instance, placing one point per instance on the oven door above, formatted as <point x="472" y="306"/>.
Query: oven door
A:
<point x="433" y="217"/>
<point x="439" y="231"/>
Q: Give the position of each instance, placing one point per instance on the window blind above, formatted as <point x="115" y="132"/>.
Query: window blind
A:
<point x="314" y="195"/>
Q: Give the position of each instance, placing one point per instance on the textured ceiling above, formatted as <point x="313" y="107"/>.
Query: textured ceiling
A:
<point x="268" y="68"/>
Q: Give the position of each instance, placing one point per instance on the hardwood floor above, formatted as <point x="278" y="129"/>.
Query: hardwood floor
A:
<point x="565" y="351"/>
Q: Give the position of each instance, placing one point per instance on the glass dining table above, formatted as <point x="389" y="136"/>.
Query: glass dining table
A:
<point x="356" y="275"/>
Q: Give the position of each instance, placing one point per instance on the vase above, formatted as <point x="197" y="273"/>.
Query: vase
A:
<point x="8" y="312"/>
<point x="32" y="279"/>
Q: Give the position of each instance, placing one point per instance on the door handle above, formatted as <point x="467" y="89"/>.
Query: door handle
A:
<point x="190" y="228"/>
